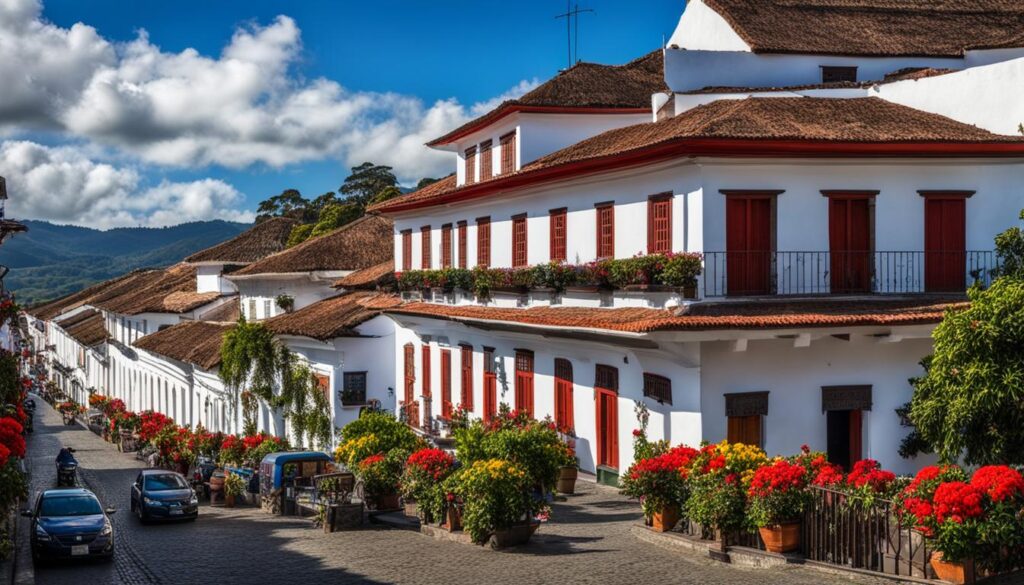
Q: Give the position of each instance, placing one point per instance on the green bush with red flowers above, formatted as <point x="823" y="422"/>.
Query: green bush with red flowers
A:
<point x="661" y="481"/>
<point x="778" y="494"/>
<point x="425" y="471"/>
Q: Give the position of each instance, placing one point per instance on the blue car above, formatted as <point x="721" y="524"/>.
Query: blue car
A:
<point x="162" y="494"/>
<point x="70" y="523"/>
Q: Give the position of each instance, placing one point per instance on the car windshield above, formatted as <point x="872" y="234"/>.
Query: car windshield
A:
<point x="163" y="482"/>
<point x="70" y="506"/>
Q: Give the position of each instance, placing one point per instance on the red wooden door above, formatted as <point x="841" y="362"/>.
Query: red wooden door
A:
<point x="466" y="359"/>
<point x="945" y="237"/>
<point x="849" y="235"/>
<point x="490" y="385"/>
<point x="524" y="382"/>
<point x="446" y="383"/>
<point x="563" y="395"/>
<point x="748" y="234"/>
<point x="411" y="408"/>
<point x="606" y="387"/>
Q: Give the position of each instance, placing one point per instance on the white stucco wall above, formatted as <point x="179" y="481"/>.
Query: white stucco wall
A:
<point x="304" y="290"/>
<point x="209" y="279"/>
<point x="702" y="28"/>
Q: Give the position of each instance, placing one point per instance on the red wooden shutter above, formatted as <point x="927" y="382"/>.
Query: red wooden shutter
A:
<point x="490" y="385"/>
<point x="945" y="237"/>
<point x="462" y="244"/>
<point x="606" y="230"/>
<point x="446" y="383"/>
<point x="426" y="370"/>
<point x="558" y="218"/>
<point x="411" y="408"/>
<point x="483" y="242"/>
<point x="519" y="255"/>
<point x="407" y="250"/>
<point x="446" y="245"/>
<point x="524" y="382"/>
<point x="659" y="224"/>
<point x="563" y="395"/>
<point x="508" y="153"/>
<point x="470" y="165"/>
<point x="748" y="223"/>
<point x="425" y="247"/>
<point x="849" y="236"/>
<point x="606" y="389"/>
<point x="466" y="365"/>
<point x="856" y="436"/>
<point x="486" y="160"/>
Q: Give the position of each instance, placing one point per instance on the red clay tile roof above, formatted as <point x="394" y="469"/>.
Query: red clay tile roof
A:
<point x="172" y="290"/>
<point x="228" y="312"/>
<point x="332" y="318"/>
<point x="745" y="126"/>
<point x="195" y="342"/>
<point x="704" y="316"/>
<point x="366" y="242"/>
<point x="879" y="28"/>
<point x="367" y="278"/>
<point x="106" y="289"/>
<point x="261" y="240"/>
<point x="86" y="327"/>
<point x="584" y="86"/>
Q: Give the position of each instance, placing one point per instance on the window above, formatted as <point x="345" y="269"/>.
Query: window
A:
<point x="353" y="388"/>
<point x="466" y="364"/>
<point x="483" y="242"/>
<point x="426" y="370"/>
<point x="462" y="244"/>
<point x="323" y="384"/>
<point x="470" y="165"/>
<point x="446" y="384"/>
<point x="508" y="153"/>
<point x="605" y="230"/>
<point x="410" y="408"/>
<point x="524" y="381"/>
<point x="446" y="245"/>
<point x="407" y="250"/>
<point x="658" y="388"/>
<point x="745" y="429"/>
<point x="831" y="74"/>
<point x="425" y="247"/>
<point x="486" y="160"/>
<point x="563" y="395"/>
<point x="519" y="256"/>
<point x="558" y="217"/>
<point x="252" y="309"/>
<point x="745" y="412"/>
<point x="266" y="309"/>
<point x="659" y="224"/>
<point x="490" y="385"/>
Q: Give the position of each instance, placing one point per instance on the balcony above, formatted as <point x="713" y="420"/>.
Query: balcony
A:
<point x="731" y="274"/>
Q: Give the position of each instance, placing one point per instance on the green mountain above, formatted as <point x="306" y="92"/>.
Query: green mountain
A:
<point x="54" y="260"/>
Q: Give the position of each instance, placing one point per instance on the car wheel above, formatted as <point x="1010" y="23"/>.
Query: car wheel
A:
<point x="141" y="513"/>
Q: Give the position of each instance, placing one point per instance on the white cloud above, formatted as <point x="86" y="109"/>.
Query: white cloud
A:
<point x="63" y="185"/>
<point x="246" y="106"/>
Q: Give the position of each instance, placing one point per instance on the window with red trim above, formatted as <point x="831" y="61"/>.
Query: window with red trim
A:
<point x="558" y="221"/>
<point x="470" y="165"/>
<point x="466" y="365"/>
<point x="426" y="371"/>
<point x="425" y="247"/>
<point x="407" y="250"/>
<point x="659" y="224"/>
<point x="563" y="395"/>
<point x="483" y="242"/>
<point x="446" y="384"/>
<point x="519" y="255"/>
<point x="462" y="244"/>
<point x="606" y="230"/>
<point x="658" y="388"/>
<point x="490" y="385"/>
<point x="486" y="160"/>
<point x="524" y="381"/>
<point x="508" y="153"/>
<point x="446" y="245"/>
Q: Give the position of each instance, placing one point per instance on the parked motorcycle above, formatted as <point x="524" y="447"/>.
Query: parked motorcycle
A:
<point x="67" y="468"/>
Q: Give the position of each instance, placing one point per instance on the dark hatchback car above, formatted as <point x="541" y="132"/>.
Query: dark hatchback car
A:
<point x="70" y="523"/>
<point x="162" y="494"/>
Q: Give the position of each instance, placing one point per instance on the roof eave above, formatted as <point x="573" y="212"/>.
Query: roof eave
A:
<point x="507" y="110"/>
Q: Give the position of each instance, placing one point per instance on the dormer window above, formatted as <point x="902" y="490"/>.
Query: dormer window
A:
<point x="470" y="165"/>
<point x="832" y="74"/>
<point x="486" y="160"/>
<point x="508" y="153"/>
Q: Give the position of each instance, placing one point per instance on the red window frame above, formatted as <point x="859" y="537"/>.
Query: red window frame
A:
<point x="407" y="250"/>
<point x="470" y="165"/>
<point x="483" y="242"/>
<point x="446" y="384"/>
<point x="425" y="353"/>
<point x="605" y="230"/>
<point x="563" y="395"/>
<point x="411" y="408"/>
<point x="490" y="385"/>
<point x="466" y="366"/>
<point x="519" y="244"/>
<point x="508" y="153"/>
<point x="486" y="160"/>
<point x="425" y="247"/>
<point x="524" y="381"/>
<point x="446" y="245"/>
<point x="659" y="224"/>
<point x="462" y="244"/>
<point x="558" y="219"/>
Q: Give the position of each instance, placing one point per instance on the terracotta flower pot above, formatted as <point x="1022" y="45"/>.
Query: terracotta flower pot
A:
<point x="567" y="480"/>
<point x="665" y="519"/>
<point x="229" y="500"/>
<point x="958" y="573"/>
<point x="410" y="508"/>
<point x="453" y="519"/>
<point x="781" y="538"/>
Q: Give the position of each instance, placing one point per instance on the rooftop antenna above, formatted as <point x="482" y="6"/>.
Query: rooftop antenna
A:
<point x="571" y="13"/>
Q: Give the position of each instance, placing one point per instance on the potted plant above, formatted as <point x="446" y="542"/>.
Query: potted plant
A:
<point x="495" y="501"/>
<point x="285" y="302"/>
<point x="380" y="474"/>
<point x="234" y="487"/>
<point x="660" y="483"/>
<point x="421" y="480"/>
<point x="718" y="481"/>
<point x="952" y="538"/>
<point x="777" y="498"/>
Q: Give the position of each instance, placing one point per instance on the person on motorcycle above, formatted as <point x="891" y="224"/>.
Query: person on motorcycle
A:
<point x="66" y="457"/>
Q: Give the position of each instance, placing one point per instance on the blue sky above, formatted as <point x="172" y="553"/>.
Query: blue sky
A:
<point x="441" y="61"/>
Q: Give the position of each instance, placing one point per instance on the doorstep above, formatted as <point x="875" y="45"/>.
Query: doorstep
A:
<point x="737" y="555"/>
<point x="395" y="520"/>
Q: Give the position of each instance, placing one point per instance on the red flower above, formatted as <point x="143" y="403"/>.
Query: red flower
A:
<point x="999" y="482"/>
<point x="829" y="474"/>
<point x="637" y="433"/>
<point x="11" y="437"/>
<point x="781" y="476"/>
<point x="956" y="500"/>
<point x="869" y="473"/>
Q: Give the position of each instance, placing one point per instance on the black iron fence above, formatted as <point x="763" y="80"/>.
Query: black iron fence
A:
<point x="821" y="273"/>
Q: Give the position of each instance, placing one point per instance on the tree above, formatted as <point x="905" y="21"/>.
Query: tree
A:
<point x="328" y="198"/>
<point x="290" y="203"/>
<point x="387" y="193"/>
<point x="366" y="181"/>
<point x="335" y="216"/>
<point x="299" y="234"/>
<point x="969" y="404"/>
<point x="425" y="181"/>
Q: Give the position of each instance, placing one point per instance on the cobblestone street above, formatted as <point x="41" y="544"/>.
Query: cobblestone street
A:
<point x="588" y="542"/>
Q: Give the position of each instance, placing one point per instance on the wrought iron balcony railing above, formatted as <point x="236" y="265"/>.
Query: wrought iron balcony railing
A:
<point x="849" y="273"/>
